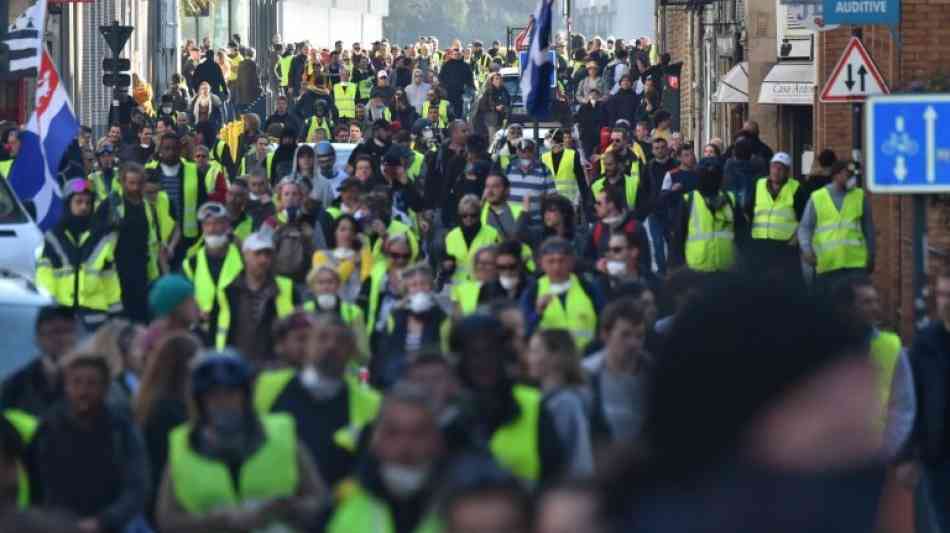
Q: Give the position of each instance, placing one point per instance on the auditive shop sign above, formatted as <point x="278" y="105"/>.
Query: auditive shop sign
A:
<point x="862" y="12"/>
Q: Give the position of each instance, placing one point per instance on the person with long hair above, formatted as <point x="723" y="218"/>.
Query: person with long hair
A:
<point x="350" y="253"/>
<point x="162" y="401"/>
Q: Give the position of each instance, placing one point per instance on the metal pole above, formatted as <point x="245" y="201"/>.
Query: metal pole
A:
<point x="920" y="262"/>
<point x="857" y="109"/>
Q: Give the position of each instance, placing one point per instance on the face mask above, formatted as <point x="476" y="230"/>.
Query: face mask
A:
<point x="253" y="196"/>
<point x="616" y="268"/>
<point x="342" y="254"/>
<point x="326" y="301"/>
<point x="319" y="386"/>
<point x="167" y="110"/>
<point x="216" y="241"/>
<point x="420" y="302"/>
<point x="403" y="481"/>
<point x="525" y="163"/>
<point x="508" y="282"/>
<point x="610" y="221"/>
<point x="427" y="134"/>
<point x="558" y="289"/>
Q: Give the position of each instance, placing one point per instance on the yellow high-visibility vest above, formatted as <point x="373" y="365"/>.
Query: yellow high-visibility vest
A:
<point x="344" y="98"/>
<point x="775" y="219"/>
<point x="710" y="239"/>
<point x="565" y="179"/>
<point x="839" y="240"/>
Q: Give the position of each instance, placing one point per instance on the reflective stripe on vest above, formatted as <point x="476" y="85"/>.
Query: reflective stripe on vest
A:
<point x="285" y="69"/>
<point x="774" y="219"/>
<point x="885" y="352"/>
<point x="205" y="286"/>
<point x="710" y="245"/>
<point x="95" y="285"/>
<point x="203" y="485"/>
<point x="576" y="313"/>
<point x="314" y="124"/>
<point x="415" y="169"/>
<point x="463" y="253"/>
<point x="344" y="97"/>
<point x="375" y="294"/>
<point x="839" y="240"/>
<point x="565" y="180"/>
<point x="189" y="190"/>
<point x="360" y="511"/>
<point x="443" y="110"/>
<point x="631" y="185"/>
<point x="515" y="445"/>
<point x="465" y="294"/>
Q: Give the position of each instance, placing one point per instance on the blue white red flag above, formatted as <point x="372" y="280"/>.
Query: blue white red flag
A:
<point x="51" y="129"/>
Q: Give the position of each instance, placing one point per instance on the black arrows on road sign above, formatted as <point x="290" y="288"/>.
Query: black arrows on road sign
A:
<point x="850" y="81"/>
<point x="862" y="73"/>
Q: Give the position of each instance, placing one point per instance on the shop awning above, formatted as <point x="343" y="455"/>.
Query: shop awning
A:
<point x="789" y="84"/>
<point x="733" y="86"/>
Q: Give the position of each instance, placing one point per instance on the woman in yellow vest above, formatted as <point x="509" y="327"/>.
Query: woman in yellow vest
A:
<point x="470" y="236"/>
<point x="276" y="483"/>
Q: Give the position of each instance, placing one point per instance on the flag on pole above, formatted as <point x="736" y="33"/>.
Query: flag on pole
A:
<point x="25" y="39"/>
<point x="536" y="78"/>
<point x="521" y="40"/>
<point x="52" y="127"/>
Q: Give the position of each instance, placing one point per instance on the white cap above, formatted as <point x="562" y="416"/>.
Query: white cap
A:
<point x="382" y="74"/>
<point x="783" y="158"/>
<point x="210" y="210"/>
<point x="258" y="241"/>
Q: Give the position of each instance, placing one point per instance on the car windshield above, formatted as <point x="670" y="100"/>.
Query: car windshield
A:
<point x="18" y="349"/>
<point x="513" y="85"/>
<point x="10" y="210"/>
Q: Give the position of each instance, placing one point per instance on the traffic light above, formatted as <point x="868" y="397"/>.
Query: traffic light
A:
<point x="117" y="80"/>
<point x="116" y="36"/>
<point x="121" y="64"/>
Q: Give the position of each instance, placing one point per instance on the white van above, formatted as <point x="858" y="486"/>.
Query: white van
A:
<point x="20" y="239"/>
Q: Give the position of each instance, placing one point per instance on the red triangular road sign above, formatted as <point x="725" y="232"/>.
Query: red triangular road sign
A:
<point x="855" y="77"/>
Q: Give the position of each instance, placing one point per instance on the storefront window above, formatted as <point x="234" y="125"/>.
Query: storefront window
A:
<point x="216" y="20"/>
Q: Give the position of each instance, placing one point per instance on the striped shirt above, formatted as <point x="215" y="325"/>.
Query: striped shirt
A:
<point x="534" y="182"/>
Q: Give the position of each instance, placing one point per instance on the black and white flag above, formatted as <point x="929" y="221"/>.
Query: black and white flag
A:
<point x="25" y="39"/>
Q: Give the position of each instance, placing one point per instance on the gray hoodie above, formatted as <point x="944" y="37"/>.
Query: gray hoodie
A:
<point x="321" y="189"/>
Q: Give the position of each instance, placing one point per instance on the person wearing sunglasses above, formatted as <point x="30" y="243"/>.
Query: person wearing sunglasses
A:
<point x="77" y="264"/>
<point x="225" y="443"/>
<point x="382" y="290"/>
<point x="464" y="241"/>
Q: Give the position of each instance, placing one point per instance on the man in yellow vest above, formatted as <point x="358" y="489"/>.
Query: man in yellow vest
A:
<point x="344" y="97"/>
<point x="325" y="400"/>
<point x="519" y="430"/>
<point x="406" y="455"/>
<point x="282" y="68"/>
<point x="497" y="211"/>
<point x="77" y="265"/>
<point x="434" y="100"/>
<point x="104" y="179"/>
<point x="710" y="225"/>
<point x="483" y="287"/>
<point x="242" y="224"/>
<point x="561" y="299"/>
<point x="260" y="160"/>
<point x="186" y="191"/>
<point x="382" y="290"/>
<point x="462" y="242"/>
<point x="230" y="469"/>
<point x="836" y="233"/>
<point x="774" y="208"/>
<point x="635" y="193"/>
<point x="249" y="305"/>
<point x="565" y="165"/>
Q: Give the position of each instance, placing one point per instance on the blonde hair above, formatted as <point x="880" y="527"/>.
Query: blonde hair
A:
<point x="107" y="343"/>
<point x="329" y="266"/>
<point x="470" y="201"/>
<point x="166" y="373"/>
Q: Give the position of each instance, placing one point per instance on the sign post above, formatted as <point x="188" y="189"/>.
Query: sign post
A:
<point x="909" y="153"/>
<point x="116" y="36"/>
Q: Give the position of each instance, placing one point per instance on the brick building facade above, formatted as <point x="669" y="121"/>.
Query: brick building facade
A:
<point x="922" y="56"/>
<point x="676" y="36"/>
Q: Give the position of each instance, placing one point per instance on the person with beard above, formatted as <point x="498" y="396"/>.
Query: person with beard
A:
<point x="242" y="224"/>
<point x="86" y="439"/>
<point x="711" y="228"/>
<point x="636" y="192"/>
<point x="283" y="116"/>
<point x="503" y="417"/>
<point x="319" y="120"/>
<point x="284" y="156"/>
<point x="329" y="406"/>
<point x="230" y="468"/>
<point x="395" y="486"/>
<point x="798" y="451"/>
<point x="138" y="243"/>
<point x="142" y="152"/>
<point x="77" y="265"/>
<point x="417" y="323"/>
<point x="374" y="148"/>
<point x="260" y="204"/>
<point x="258" y="160"/>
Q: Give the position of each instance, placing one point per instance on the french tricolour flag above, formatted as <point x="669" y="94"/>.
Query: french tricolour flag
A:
<point x="536" y="78"/>
<point x="51" y="129"/>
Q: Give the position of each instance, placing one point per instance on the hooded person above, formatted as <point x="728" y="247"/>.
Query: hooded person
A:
<point x="285" y="155"/>
<point x="712" y="226"/>
<point x="77" y="264"/>
<point x="274" y="484"/>
<point x="504" y="417"/>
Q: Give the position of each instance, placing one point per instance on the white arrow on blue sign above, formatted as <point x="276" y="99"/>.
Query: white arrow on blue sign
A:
<point x="907" y="150"/>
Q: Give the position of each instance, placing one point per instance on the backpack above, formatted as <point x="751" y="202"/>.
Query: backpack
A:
<point x="293" y="248"/>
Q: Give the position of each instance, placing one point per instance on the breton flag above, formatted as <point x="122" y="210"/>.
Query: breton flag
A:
<point x="25" y="39"/>
<point x="51" y="129"/>
<point x="536" y="77"/>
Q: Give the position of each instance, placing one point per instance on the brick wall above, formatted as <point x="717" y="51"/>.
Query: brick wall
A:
<point x="676" y="26"/>
<point x="923" y="54"/>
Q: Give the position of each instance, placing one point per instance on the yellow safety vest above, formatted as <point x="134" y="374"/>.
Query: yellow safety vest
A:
<point x="344" y="98"/>
<point x="631" y="185"/>
<point x="98" y="183"/>
<point x="118" y="213"/>
<point x="93" y="284"/>
<point x="284" y="63"/>
<point x="885" y="352"/>
<point x="362" y="403"/>
<point x="244" y="227"/>
<point x="206" y="287"/>
<point x="463" y="253"/>
<point x="284" y="304"/>
<point x="204" y="485"/>
<point x="375" y="291"/>
<point x="5" y="167"/>
<point x="366" y="87"/>
<point x="634" y="165"/>
<point x="189" y="193"/>
<point x="314" y="123"/>
<point x="838" y="241"/>
<point x="361" y="511"/>
<point x="163" y="212"/>
<point x="565" y="180"/>
<point x="515" y="207"/>
<point x="774" y="219"/>
<point x="710" y="239"/>
<point x="515" y="445"/>
<point x="465" y="295"/>
<point x="268" y="163"/>
<point x="396" y="228"/>
<point x="443" y="111"/>
<point x="25" y="424"/>
<point x="576" y="314"/>
<point x="415" y="169"/>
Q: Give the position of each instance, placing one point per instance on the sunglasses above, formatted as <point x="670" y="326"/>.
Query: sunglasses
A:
<point x="397" y="256"/>
<point x="617" y="249"/>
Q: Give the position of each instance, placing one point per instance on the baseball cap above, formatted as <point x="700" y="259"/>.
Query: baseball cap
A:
<point x="783" y="158"/>
<point x="211" y="210"/>
<point x="257" y="241"/>
<point x="393" y="157"/>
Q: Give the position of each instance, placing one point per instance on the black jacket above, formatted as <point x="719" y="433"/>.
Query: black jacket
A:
<point x="930" y="361"/>
<point x="455" y="76"/>
<point x="623" y="105"/>
<point x="210" y="72"/>
<point x="590" y="119"/>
